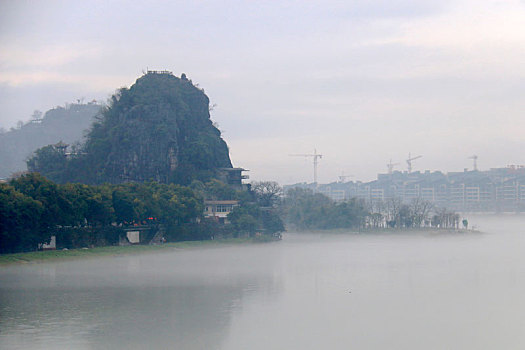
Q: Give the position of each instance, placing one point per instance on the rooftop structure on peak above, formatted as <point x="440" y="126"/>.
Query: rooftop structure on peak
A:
<point x="159" y="72"/>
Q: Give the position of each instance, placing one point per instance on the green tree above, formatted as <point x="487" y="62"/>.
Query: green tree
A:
<point x="245" y="219"/>
<point x="21" y="228"/>
<point x="123" y="205"/>
<point x="272" y="222"/>
<point x="58" y="209"/>
<point x="49" y="160"/>
<point x="308" y="210"/>
<point x="217" y="190"/>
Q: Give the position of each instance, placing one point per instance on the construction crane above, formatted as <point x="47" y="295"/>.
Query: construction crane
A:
<point x="409" y="162"/>
<point x="475" y="160"/>
<point x="390" y="166"/>
<point x="343" y="177"/>
<point x="316" y="158"/>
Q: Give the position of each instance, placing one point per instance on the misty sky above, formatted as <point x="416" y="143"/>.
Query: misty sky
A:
<point x="362" y="81"/>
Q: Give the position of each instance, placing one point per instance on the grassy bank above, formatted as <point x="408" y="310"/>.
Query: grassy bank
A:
<point x="53" y="255"/>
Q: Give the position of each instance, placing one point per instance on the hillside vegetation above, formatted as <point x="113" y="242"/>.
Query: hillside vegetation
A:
<point x="159" y="129"/>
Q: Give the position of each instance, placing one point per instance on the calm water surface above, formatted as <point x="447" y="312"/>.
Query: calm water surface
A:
<point x="310" y="291"/>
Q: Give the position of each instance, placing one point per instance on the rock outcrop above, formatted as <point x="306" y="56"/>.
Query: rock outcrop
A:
<point x="159" y="129"/>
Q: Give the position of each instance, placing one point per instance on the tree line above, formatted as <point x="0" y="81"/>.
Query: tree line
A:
<point x="33" y="208"/>
<point x="305" y="209"/>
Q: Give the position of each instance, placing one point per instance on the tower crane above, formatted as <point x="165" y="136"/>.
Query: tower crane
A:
<point x="390" y="166"/>
<point x="475" y="160"/>
<point x="409" y="162"/>
<point x="316" y="156"/>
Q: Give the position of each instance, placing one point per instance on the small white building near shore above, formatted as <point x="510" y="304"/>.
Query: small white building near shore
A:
<point x="219" y="209"/>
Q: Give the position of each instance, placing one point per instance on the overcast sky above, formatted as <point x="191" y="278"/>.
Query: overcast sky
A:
<point x="363" y="82"/>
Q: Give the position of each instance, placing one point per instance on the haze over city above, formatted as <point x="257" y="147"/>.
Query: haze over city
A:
<point x="362" y="82"/>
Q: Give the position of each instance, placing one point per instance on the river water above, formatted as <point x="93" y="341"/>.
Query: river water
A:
<point x="309" y="291"/>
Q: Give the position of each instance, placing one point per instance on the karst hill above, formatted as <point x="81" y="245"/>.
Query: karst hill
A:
<point x="158" y="129"/>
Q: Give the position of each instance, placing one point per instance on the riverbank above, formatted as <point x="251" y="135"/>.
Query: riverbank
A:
<point x="431" y="230"/>
<point x="391" y="231"/>
<point x="56" y="255"/>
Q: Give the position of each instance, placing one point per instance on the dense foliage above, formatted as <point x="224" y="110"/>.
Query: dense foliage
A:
<point x="308" y="210"/>
<point x="252" y="216"/>
<point x="259" y="212"/>
<point x="305" y="209"/>
<point x="20" y="225"/>
<point x="32" y="208"/>
<point x="251" y="219"/>
<point x="157" y="130"/>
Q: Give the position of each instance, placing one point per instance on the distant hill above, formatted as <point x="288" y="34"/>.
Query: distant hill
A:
<point x="158" y="129"/>
<point x="61" y="123"/>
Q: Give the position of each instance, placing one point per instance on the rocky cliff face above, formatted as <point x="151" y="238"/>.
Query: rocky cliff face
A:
<point x="158" y="129"/>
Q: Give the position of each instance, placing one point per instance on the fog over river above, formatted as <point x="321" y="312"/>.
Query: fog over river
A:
<point x="309" y="291"/>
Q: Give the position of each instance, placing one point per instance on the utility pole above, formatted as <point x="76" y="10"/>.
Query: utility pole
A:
<point x="316" y="158"/>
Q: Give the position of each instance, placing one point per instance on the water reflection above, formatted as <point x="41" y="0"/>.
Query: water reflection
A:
<point x="180" y="300"/>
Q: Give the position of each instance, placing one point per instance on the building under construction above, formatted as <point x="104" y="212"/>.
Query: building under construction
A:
<point x="494" y="190"/>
